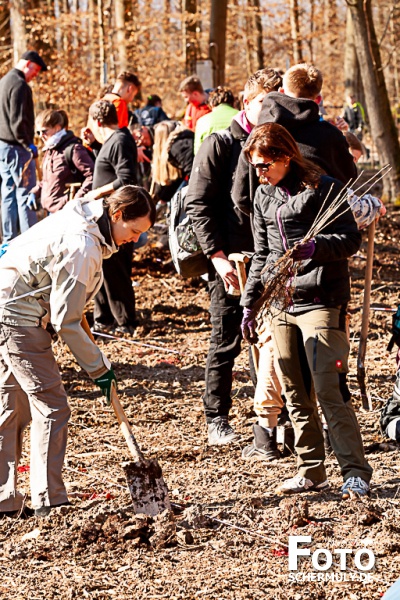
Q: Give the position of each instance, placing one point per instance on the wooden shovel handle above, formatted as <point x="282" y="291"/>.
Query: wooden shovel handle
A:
<point x="125" y="427"/>
<point x="119" y="411"/>
<point x="240" y="260"/>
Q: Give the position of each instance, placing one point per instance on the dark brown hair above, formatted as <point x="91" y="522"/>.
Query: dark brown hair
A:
<point x="191" y="84"/>
<point x="104" y="112"/>
<point x="128" y="77"/>
<point x="353" y="141"/>
<point x="133" y="201"/>
<point x="275" y="142"/>
<point x="221" y="95"/>
<point x="267" y="79"/>
<point x="51" y="118"/>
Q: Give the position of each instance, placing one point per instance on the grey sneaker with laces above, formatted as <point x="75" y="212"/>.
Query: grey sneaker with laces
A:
<point x="298" y="485"/>
<point x="354" y="487"/>
<point x="220" y="432"/>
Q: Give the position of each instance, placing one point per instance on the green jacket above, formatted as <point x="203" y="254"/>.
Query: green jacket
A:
<point x="219" y="118"/>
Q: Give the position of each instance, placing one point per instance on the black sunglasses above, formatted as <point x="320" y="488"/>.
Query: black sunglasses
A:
<point x="263" y="166"/>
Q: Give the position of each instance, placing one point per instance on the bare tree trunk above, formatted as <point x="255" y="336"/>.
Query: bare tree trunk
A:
<point x="382" y="125"/>
<point x="120" y="34"/>
<point x="311" y="40"/>
<point x="257" y="32"/>
<point x="248" y="42"/>
<point x="295" y="31"/>
<point x="189" y="39"/>
<point x="352" y="78"/>
<point x="18" y="29"/>
<point x="219" y="9"/>
<point x="102" y="49"/>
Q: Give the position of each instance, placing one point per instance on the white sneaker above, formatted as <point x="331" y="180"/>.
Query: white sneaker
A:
<point x="298" y="485"/>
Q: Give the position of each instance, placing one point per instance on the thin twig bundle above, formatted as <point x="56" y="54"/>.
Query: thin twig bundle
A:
<point x="280" y="276"/>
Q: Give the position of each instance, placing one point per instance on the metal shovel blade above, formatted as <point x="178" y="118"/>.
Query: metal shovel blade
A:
<point x="147" y="487"/>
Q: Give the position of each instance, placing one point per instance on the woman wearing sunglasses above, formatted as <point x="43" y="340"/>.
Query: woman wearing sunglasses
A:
<point x="65" y="161"/>
<point x="310" y="342"/>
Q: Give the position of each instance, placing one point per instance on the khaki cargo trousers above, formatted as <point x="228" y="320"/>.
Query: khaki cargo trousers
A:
<point x="312" y="348"/>
<point x="31" y="391"/>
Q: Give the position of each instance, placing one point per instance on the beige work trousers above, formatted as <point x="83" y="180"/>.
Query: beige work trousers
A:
<point x="268" y="395"/>
<point x="31" y="391"/>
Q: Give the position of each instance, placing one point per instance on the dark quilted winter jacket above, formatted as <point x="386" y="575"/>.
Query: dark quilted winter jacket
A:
<point x="282" y="217"/>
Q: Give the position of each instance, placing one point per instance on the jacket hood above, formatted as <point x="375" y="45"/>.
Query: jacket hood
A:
<point x="288" y="112"/>
<point x="66" y="140"/>
<point x="93" y="212"/>
<point x="180" y="132"/>
<point x="237" y="131"/>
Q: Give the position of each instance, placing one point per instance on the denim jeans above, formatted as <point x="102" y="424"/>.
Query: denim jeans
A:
<point x="18" y="177"/>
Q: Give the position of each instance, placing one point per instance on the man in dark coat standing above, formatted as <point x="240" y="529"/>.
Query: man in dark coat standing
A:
<point x="17" y="150"/>
<point x="222" y="229"/>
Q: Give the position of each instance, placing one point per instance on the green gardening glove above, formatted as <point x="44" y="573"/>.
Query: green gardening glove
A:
<point x="105" y="383"/>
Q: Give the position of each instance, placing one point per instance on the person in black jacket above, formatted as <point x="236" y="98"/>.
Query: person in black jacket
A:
<point x="311" y="345"/>
<point x="17" y="150"/>
<point x="115" y="166"/>
<point x="221" y="229"/>
<point x="297" y="110"/>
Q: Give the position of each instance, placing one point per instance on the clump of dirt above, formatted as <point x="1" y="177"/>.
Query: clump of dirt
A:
<point x="294" y="512"/>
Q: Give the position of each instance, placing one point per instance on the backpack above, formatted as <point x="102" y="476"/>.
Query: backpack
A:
<point x="78" y="175"/>
<point x="186" y="252"/>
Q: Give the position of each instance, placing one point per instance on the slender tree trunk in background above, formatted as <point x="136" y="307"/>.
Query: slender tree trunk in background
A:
<point x="257" y="32"/>
<point x="219" y="9"/>
<point x="102" y="49"/>
<point x="133" y="55"/>
<point x="91" y="47"/>
<point x="383" y="129"/>
<point x="249" y="39"/>
<point x="311" y="40"/>
<point x="165" y="28"/>
<point x="5" y="33"/>
<point x="295" y="32"/>
<point x="352" y="78"/>
<point x="119" y="6"/>
<point x="18" y="29"/>
<point x="189" y="31"/>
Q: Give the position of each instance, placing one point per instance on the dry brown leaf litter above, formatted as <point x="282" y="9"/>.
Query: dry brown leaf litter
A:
<point x="98" y="549"/>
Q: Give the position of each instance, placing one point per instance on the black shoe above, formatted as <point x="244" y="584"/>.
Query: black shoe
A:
<point x="44" y="511"/>
<point x="102" y="327"/>
<point x="125" y="330"/>
<point x="220" y="432"/>
<point x="263" y="447"/>
<point x="23" y="513"/>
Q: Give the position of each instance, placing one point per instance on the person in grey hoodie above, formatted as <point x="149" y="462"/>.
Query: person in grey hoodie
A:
<point x="47" y="275"/>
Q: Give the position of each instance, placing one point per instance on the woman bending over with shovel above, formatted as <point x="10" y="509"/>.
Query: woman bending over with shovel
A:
<point x="47" y="276"/>
<point x="310" y="342"/>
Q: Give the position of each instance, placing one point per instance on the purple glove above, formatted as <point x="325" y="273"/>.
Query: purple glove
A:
<point x="304" y="250"/>
<point x="248" y="326"/>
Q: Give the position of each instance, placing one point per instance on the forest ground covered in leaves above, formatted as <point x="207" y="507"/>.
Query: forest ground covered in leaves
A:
<point x="98" y="549"/>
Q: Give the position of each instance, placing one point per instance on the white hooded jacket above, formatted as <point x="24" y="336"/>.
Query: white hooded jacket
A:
<point x="64" y="254"/>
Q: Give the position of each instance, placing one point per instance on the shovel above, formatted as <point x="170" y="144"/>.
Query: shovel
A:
<point x="146" y="484"/>
<point x="365" y="398"/>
